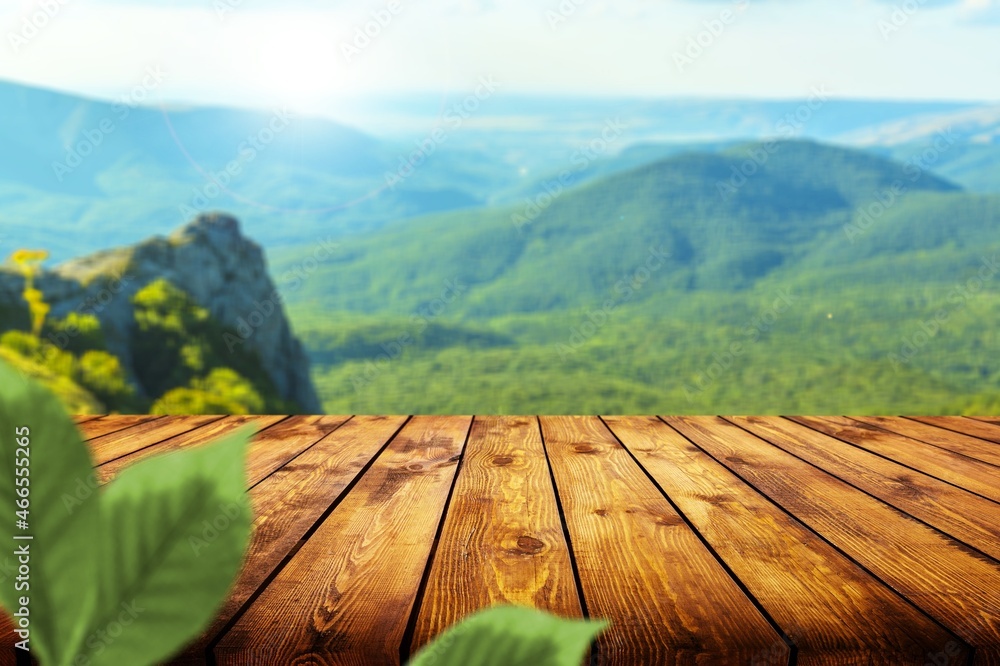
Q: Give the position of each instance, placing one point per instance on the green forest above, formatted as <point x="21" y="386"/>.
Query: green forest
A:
<point x="830" y="281"/>
<point x="178" y="352"/>
<point x="790" y="277"/>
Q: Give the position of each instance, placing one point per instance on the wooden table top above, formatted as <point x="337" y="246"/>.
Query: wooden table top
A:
<point x="708" y="540"/>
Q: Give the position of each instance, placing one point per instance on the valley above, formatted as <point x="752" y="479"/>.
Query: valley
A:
<point x="567" y="312"/>
<point x="563" y="255"/>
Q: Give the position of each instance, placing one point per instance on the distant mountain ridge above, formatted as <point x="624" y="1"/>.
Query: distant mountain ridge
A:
<point x="726" y="219"/>
<point x="130" y="168"/>
<point x="793" y="277"/>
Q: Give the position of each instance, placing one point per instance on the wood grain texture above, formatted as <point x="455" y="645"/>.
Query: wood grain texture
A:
<point x="348" y="593"/>
<point x="289" y="503"/>
<point x="7" y="641"/>
<point x="972" y="447"/>
<point x="964" y="425"/>
<point x="502" y="541"/>
<point x="283" y="441"/>
<point x="956" y="586"/>
<point x="886" y="520"/>
<point x="640" y="565"/>
<point x="832" y="610"/>
<point x="108" y="424"/>
<point x="967" y="517"/>
<point x="203" y="435"/>
<point x="973" y="475"/>
<point x="114" y="445"/>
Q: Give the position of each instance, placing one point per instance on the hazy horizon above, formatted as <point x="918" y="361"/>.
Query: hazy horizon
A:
<point x="312" y="55"/>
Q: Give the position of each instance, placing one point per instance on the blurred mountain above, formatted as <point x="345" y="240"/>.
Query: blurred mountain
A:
<point x="77" y="174"/>
<point x="788" y="277"/>
<point x="727" y="220"/>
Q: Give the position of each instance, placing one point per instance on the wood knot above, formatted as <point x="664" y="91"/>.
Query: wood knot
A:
<point x="529" y="545"/>
<point x="584" y="448"/>
<point x="415" y="467"/>
<point x="601" y="512"/>
<point x="501" y="461"/>
<point x="668" y="520"/>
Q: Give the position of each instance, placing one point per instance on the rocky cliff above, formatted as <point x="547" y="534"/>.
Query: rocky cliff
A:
<point x="223" y="272"/>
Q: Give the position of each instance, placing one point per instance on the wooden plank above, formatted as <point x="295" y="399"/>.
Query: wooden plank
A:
<point x="203" y="435"/>
<point x="288" y="504"/>
<point x="965" y="445"/>
<point x="964" y="425"/>
<point x="502" y="541"/>
<point x="114" y="445"/>
<point x="958" y="587"/>
<point x="832" y="609"/>
<point x="283" y="441"/>
<point x="969" y="518"/>
<point x="995" y="420"/>
<point x="352" y="585"/>
<point x="83" y="418"/>
<point x="108" y="424"/>
<point x="7" y="640"/>
<point x="640" y="565"/>
<point x="964" y="472"/>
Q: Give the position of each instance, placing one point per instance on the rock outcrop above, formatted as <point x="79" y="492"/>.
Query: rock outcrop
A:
<point x="222" y="270"/>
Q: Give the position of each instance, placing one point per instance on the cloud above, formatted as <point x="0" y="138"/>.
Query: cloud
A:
<point x="966" y="12"/>
<point x="986" y="12"/>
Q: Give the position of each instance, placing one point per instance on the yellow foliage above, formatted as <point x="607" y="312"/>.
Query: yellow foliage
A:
<point x="27" y="258"/>
<point x="28" y="261"/>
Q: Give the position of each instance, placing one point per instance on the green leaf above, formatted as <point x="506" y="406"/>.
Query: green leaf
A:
<point x="176" y="528"/>
<point x="63" y="519"/>
<point x="511" y="636"/>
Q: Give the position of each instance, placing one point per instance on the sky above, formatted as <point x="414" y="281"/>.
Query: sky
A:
<point x="306" y="54"/>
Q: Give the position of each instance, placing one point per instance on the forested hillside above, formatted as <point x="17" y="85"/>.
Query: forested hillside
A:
<point x="794" y="277"/>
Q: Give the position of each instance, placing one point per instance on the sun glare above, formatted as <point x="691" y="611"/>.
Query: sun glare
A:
<point x="299" y="70"/>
